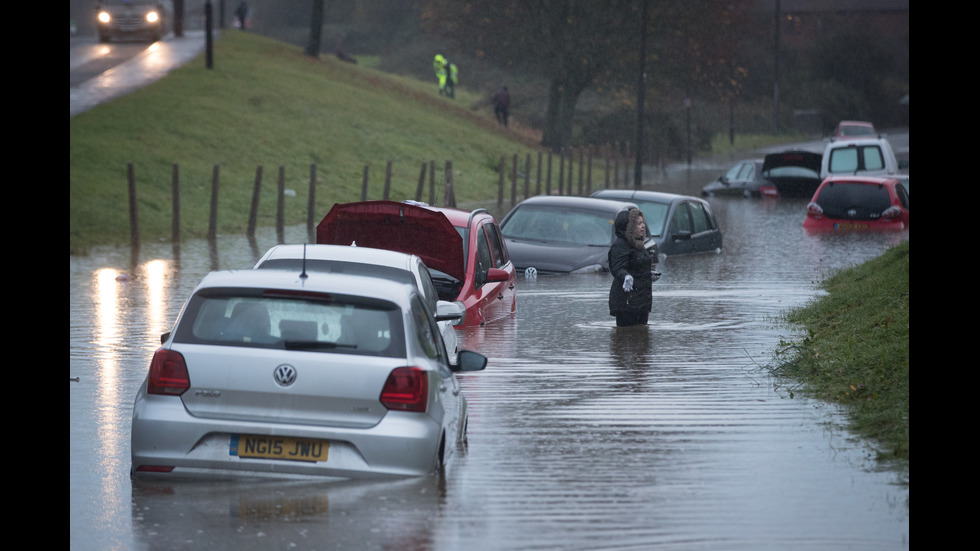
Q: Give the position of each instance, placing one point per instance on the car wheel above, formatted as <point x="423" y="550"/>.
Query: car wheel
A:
<point x="441" y="457"/>
<point x="747" y="193"/>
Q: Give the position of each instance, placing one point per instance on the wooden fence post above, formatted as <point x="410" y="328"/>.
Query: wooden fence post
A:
<point x="281" y="206"/>
<point x="537" y="185"/>
<point x="500" y="182"/>
<point x="561" y="171"/>
<point x="450" y="200"/>
<point x="421" y="187"/>
<point x="213" y="221"/>
<point x="253" y="214"/>
<point x="527" y="176"/>
<point x="548" y="185"/>
<point x="311" y="207"/>
<point x="432" y="182"/>
<point x="588" y="174"/>
<point x="175" y="199"/>
<point x="513" y="182"/>
<point x="364" y="184"/>
<point x="387" y="192"/>
<point x="581" y="169"/>
<point x="134" y="225"/>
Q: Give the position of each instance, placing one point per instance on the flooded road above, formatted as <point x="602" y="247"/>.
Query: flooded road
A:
<point x="581" y="436"/>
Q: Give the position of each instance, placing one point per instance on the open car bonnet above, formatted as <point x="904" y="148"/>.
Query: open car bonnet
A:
<point x="395" y="226"/>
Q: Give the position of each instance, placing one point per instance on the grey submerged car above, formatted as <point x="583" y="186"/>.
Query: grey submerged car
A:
<point x="288" y="373"/>
<point x="680" y="224"/>
<point x="562" y="234"/>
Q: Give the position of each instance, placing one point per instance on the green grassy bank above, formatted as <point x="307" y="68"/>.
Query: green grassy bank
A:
<point x="856" y="351"/>
<point x="264" y="103"/>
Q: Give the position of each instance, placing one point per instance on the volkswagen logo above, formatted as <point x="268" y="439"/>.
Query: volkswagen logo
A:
<point x="285" y="375"/>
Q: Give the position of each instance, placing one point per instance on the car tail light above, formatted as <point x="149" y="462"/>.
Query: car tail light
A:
<point x="168" y="374"/>
<point x="814" y="209"/>
<point x="407" y="389"/>
<point x="891" y="212"/>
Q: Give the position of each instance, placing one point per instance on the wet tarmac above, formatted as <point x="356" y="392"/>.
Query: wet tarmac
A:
<point x="102" y="72"/>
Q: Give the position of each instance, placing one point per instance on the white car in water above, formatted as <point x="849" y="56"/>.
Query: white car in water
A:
<point x="282" y="373"/>
<point x="375" y="263"/>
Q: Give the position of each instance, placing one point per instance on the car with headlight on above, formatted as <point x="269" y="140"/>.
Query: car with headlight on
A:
<point x="283" y="373"/>
<point x="131" y="19"/>
<point x="463" y="249"/>
<point x="849" y="203"/>
<point x="371" y="262"/>
<point x="562" y="234"/>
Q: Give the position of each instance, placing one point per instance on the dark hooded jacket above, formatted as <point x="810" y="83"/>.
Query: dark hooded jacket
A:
<point x="628" y="256"/>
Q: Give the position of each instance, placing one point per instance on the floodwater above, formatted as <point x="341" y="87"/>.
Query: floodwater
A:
<point x="581" y="436"/>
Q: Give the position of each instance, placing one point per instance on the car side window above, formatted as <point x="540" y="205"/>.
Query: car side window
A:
<point x="746" y="172"/>
<point x="483" y="258"/>
<point x="429" y="289"/>
<point x="903" y="196"/>
<point x="681" y="220"/>
<point x="699" y="217"/>
<point x="496" y="250"/>
<point x="427" y="334"/>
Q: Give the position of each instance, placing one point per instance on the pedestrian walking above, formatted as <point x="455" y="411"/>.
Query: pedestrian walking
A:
<point x="501" y="105"/>
<point x="631" y="265"/>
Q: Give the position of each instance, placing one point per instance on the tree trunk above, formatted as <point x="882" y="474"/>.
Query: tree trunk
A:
<point x="316" y="24"/>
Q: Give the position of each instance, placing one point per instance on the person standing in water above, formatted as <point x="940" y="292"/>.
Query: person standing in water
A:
<point x="631" y="265"/>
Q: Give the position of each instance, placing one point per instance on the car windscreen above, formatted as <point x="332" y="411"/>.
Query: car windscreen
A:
<point x="560" y="225"/>
<point x="655" y="216"/>
<point x="313" y="322"/>
<point x="846" y="200"/>
<point x="853" y="159"/>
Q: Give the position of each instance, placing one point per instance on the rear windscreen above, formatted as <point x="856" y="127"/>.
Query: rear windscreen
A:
<point x="854" y="201"/>
<point x="321" y="324"/>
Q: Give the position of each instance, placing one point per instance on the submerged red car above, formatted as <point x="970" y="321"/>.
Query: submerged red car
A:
<point x="844" y="203"/>
<point x="464" y="250"/>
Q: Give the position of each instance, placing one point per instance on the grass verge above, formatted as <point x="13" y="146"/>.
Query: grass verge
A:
<point x="856" y="351"/>
<point x="266" y="104"/>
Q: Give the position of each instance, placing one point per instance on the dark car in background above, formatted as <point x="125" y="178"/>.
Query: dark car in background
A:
<point x="744" y="179"/>
<point x="131" y="19"/>
<point x="848" y="203"/>
<point x="680" y="224"/>
<point x="791" y="174"/>
<point x="562" y="234"/>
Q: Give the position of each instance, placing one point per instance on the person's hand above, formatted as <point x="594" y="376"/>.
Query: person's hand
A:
<point x="654" y="275"/>
<point x="628" y="283"/>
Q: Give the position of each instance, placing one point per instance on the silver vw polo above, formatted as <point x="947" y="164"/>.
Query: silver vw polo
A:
<point x="288" y="373"/>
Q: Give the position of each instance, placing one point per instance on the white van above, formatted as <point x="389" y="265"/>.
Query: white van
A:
<point x="866" y="156"/>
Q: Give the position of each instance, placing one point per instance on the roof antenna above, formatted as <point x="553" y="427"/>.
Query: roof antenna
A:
<point x="304" y="274"/>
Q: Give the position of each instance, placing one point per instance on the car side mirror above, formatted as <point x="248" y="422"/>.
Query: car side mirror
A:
<point x="164" y="337"/>
<point x="468" y="360"/>
<point x="446" y="311"/>
<point x="496" y="274"/>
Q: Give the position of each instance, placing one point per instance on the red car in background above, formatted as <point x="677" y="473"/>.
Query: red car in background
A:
<point x="464" y="250"/>
<point x="855" y="129"/>
<point x="844" y="203"/>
